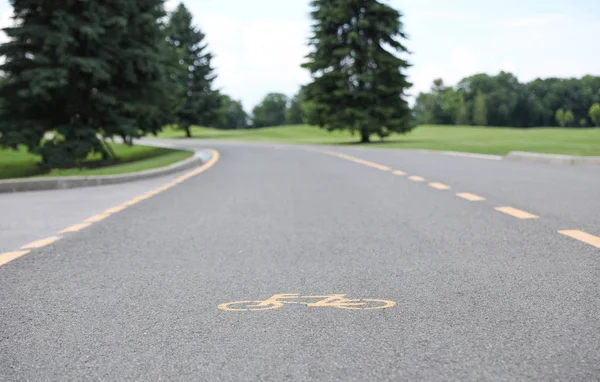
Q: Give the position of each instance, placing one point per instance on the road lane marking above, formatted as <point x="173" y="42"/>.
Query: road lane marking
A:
<point x="10" y="256"/>
<point x="519" y="214"/>
<point x="358" y="160"/>
<point x="41" y="243"/>
<point x="96" y="218"/>
<point x="583" y="237"/>
<point x="327" y="301"/>
<point x="415" y="178"/>
<point x="76" y="227"/>
<point x="439" y="186"/>
<point x="470" y="197"/>
<point x="116" y="209"/>
<point x="399" y="173"/>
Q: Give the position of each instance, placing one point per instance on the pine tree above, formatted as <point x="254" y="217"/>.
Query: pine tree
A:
<point x="55" y="69"/>
<point x="358" y="77"/>
<point x="480" y="113"/>
<point x="81" y="70"/>
<point x="200" y="103"/>
<point x="141" y="90"/>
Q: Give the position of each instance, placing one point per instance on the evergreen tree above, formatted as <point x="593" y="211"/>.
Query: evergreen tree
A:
<point x="55" y="70"/>
<point x="358" y="80"/>
<point x="80" y="70"/>
<point x="200" y="104"/>
<point x="480" y="113"/>
<point x="141" y="87"/>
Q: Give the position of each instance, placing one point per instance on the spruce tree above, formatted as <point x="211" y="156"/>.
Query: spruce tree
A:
<point x="54" y="69"/>
<point x="141" y="88"/>
<point x="82" y="70"/>
<point x="358" y="80"/>
<point x="200" y="103"/>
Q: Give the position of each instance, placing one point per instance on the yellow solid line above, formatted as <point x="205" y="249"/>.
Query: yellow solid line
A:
<point x="470" y="197"/>
<point x="96" y="218"/>
<point x="398" y="172"/>
<point x="583" y="237"/>
<point x="115" y="209"/>
<point x="41" y="243"/>
<point x="10" y="256"/>
<point x="519" y="214"/>
<point x="416" y="178"/>
<point x="439" y="186"/>
<point x="358" y="160"/>
<point x="76" y="227"/>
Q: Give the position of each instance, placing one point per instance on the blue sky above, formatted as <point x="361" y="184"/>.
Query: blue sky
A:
<point x="259" y="44"/>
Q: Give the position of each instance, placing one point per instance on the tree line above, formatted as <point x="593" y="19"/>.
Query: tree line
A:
<point x="502" y="100"/>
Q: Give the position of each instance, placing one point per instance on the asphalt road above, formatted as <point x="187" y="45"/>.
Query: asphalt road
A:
<point x="478" y="294"/>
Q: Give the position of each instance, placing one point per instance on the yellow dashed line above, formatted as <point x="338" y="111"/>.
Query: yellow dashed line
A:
<point x="76" y="227"/>
<point x="399" y="173"/>
<point x="583" y="237"/>
<point x="97" y="218"/>
<point x="470" y="197"/>
<point x="439" y="186"/>
<point x="519" y="214"/>
<point x="358" y="160"/>
<point x="415" y="178"/>
<point x="10" y="256"/>
<point x="41" y="243"/>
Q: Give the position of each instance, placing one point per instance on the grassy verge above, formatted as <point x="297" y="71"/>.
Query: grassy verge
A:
<point x="20" y="164"/>
<point x="482" y="140"/>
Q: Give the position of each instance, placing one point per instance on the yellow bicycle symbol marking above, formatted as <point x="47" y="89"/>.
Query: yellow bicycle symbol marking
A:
<point x="329" y="301"/>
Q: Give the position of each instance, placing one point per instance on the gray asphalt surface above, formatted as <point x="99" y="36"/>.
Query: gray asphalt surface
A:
<point x="480" y="295"/>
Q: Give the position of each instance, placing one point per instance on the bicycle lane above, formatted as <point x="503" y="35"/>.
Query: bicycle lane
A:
<point x="137" y="296"/>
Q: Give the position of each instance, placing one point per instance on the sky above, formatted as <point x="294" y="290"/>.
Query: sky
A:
<point x="260" y="44"/>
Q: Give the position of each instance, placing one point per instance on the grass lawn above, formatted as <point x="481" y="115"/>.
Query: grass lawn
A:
<point x="19" y="164"/>
<point x="482" y="140"/>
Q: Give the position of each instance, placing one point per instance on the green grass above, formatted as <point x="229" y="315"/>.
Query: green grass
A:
<point x="481" y="140"/>
<point x="20" y="164"/>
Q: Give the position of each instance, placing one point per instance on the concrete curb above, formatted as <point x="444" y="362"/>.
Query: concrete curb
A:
<point x="58" y="183"/>
<point x="521" y="156"/>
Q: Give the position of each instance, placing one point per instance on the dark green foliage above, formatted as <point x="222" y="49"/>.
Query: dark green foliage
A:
<point x="594" y="114"/>
<point x="480" y="112"/>
<point x="509" y="102"/>
<point x="271" y="111"/>
<point x="199" y="102"/>
<point x="81" y="69"/>
<point x="231" y="114"/>
<point x="293" y="114"/>
<point x="358" y="80"/>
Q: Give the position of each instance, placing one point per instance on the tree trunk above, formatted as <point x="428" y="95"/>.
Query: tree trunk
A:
<point x="364" y="136"/>
<point x="188" y="132"/>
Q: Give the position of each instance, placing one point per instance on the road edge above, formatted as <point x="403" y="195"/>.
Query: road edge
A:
<point x="522" y="156"/>
<point x="66" y="182"/>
